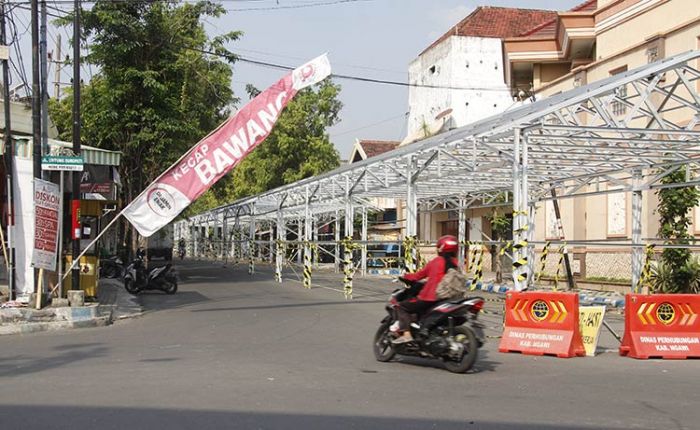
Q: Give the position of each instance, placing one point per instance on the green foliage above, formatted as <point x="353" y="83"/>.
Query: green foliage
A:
<point x="501" y="225"/>
<point x="665" y="279"/>
<point x="156" y="92"/>
<point x="677" y="272"/>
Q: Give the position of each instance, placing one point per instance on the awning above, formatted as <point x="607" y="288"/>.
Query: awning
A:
<point x="91" y="155"/>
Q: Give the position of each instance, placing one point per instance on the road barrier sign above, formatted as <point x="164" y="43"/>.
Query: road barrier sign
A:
<point x="539" y="323"/>
<point x="661" y="326"/>
<point x="590" y="322"/>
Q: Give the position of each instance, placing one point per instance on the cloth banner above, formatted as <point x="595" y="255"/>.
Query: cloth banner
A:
<point x="219" y="152"/>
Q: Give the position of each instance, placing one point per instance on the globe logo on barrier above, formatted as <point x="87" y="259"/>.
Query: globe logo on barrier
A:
<point x="666" y="313"/>
<point x="540" y="310"/>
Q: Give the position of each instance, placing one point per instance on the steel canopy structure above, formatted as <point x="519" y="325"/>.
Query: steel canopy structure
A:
<point x="627" y="131"/>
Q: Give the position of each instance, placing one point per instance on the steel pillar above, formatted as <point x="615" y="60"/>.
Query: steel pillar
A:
<point x="237" y="244"/>
<point x="411" y="200"/>
<point x="251" y="241"/>
<point x="462" y="232"/>
<point x="364" y="242"/>
<point x="281" y="236"/>
<point x="519" y="212"/>
<point x="307" y="237"/>
<point x="224" y="235"/>
<point x="637" y="246"/>
<point x="336" y="236"/>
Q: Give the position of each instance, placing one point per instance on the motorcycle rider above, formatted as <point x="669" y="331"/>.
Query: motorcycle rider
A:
<point x="447" y="247"/>
<point x="181" y="247"/>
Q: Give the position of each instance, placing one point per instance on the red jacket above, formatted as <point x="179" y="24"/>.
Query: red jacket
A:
<point x="434" y="271"/>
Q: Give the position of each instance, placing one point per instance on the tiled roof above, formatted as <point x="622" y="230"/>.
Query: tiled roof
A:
<point x="549" y="28"/>
<point x="497" y="22"/>
<point x="372" y="148"/>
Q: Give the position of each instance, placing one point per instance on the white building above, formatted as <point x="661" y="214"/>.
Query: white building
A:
<point x="466" y="68"/>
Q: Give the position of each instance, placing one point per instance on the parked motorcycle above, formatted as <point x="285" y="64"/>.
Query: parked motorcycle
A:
<point x="137" y="278"/>
<point x="449" y="331"/>
<point x="111" y="267"/>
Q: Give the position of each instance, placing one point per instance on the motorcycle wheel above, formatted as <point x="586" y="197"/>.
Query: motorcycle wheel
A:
<point x="466" y="337"/>
<point x="130" y="286"/>
<point x="383" y="351"/>
<point x="170" y="288"/>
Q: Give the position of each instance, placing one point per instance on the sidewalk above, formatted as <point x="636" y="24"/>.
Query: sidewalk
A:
<point x="114" y="304"/>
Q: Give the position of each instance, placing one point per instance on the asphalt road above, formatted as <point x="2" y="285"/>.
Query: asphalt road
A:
<point x="233" y="351"/>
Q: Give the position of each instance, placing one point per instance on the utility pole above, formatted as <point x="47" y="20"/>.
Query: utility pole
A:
<point x="44" y="81"/>
<point x="36" y="92"/>
<point x="36" y="111"/>
<point x="57" y="74"/>
<point x="75" y="192"/>
<point x="9" y="155"/>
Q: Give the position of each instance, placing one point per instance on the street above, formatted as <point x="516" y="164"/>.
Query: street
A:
<point x="234" y="351"/>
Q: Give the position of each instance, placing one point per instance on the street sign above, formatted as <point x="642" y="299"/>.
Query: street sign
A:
<point x="62" y="162"/>
<point x="4" y="52"/>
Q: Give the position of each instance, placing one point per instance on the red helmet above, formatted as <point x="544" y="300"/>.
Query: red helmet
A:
<point x="447" y="243"/>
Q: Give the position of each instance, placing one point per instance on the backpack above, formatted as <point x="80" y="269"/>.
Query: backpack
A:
<point x="453" y="284"/>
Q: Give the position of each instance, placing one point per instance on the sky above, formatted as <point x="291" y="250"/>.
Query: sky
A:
<point x="366" y="38"/>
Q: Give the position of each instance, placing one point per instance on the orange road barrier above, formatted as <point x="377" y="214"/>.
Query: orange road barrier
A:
<point x="539" y="323"/>
<point x="661" y="326"/>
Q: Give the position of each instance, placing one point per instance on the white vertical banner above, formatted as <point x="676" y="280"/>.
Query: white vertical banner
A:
<point x="47" y="204"/>
<point x="23" y="233"/>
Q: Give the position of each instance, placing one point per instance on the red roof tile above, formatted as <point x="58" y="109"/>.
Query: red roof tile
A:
<point x="497" y="22"/>
<point x="549" y="28"/>
<point x="372" y="148"/>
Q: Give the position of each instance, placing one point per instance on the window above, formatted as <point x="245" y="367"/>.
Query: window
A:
<point x="618" y="107"/>
<point x="389" y="215"/>
<point x="617" y="215"/>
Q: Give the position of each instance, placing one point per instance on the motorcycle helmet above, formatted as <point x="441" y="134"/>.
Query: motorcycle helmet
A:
<point x="448" y="244"/>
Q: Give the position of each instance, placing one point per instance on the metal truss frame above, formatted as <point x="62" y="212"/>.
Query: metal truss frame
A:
<point x="618" y="134"/>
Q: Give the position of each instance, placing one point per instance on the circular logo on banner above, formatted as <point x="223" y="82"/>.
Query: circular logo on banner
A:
<point x="666" y="313"/>
<point x="307" y="72"/>
<point x="540" y="310"/>
<point x="161" y="202"/>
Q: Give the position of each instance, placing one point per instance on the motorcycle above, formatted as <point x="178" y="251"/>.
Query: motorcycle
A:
<point x="448" y="331"/>
<point x="181" y="253"/>
<point x="137" y="278"/>
<point x="111" y="267"/>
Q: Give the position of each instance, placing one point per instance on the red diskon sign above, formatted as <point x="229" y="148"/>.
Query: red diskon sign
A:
<point x="219" y="152"/>
<point x="47" y="203"/>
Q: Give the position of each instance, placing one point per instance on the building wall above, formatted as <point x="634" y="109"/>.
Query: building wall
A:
<point x="627" y="27"/>
<point x="671" y="27"/>
<point x="458" y="62"/>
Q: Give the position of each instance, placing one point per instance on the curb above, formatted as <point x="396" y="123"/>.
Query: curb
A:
<point x="35" y="327"/>
<point x="586" y="297"/>
<point x="116" y="304"/>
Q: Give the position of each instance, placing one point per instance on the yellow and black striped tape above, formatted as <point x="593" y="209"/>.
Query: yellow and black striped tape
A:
<point x="645" y="276"/>
<point x="543" y="260"/>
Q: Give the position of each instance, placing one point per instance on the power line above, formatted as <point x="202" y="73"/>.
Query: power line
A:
<point x="358" y="78"/>
<point x="299" y="6"/>
<point x="393" y="118"/>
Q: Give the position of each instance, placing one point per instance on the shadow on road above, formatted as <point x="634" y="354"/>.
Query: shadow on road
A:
<point x="70" y="417"/>
<point x="22" y="365"/>
<point x="157" y="300"/>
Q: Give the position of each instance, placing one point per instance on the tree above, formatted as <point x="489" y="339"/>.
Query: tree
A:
<point x="158" y="90"/>
<point x="298" y="146"/>
<point x="677" y="272"/>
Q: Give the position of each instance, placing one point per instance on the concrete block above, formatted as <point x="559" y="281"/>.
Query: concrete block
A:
<point x="76" y="297"/>
<point x="59" y="302"/>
